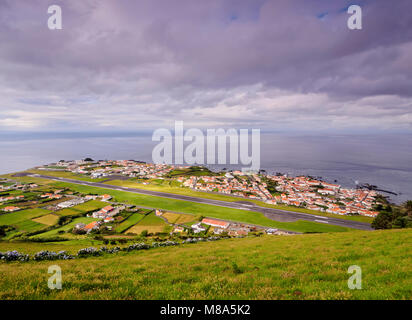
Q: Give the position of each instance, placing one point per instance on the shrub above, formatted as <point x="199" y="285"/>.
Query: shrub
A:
<point x="14" y="256"/>
<point x="164" y="244"/>
<point x="50" y="255"/>
<point x="110" y="251"/>
<point x="88" y="252"/>
<point x="236" y="268"/>
<point x="137" y="246"/>
<point x="51" y="239"/>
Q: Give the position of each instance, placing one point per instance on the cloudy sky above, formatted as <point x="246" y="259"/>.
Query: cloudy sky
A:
<point x="283" y="65"/>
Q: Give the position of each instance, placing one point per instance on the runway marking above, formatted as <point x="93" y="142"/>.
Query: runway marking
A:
<point x="322" y="221"/>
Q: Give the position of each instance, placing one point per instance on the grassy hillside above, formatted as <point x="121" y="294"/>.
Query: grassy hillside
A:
<point x="290" y="267"/>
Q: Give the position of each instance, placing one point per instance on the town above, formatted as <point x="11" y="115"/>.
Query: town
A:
<point x="47" y="213"/>
<point x="56" y="211"/>
<point x="304" y="192"/>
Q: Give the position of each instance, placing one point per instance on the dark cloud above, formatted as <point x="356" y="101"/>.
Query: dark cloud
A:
<point x="264" y="63"/>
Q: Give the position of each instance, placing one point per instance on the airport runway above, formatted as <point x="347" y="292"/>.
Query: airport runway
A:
<point x="274" y="214"/>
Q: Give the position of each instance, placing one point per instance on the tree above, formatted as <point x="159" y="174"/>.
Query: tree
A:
<point x="2" y="231"/>
<point x="379" y="207"/>
<point x="399" y="222"/>
<point x="383" y="221"/>
<point x="408" y="206"/>
<point x="144" y="233"/>
<point x="394" y="216"/>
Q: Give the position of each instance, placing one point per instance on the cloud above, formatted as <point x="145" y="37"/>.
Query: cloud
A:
<point x="268" y="64"/>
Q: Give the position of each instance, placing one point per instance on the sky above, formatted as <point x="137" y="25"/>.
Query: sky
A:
<point x="282" y="65"/>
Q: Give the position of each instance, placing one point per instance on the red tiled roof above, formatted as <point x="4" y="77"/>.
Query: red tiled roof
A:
<point x="215" y="222"/>
<point x="91" y="225"/>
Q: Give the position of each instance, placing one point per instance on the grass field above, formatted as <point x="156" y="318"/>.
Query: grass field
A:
<point x="68" y="212"/>
<point x="80" y="209"/>
<point x="192" y="171"/>
<point x="49" y="219"/>
<point x="64" y="174"/>
<point x="90" y="206"/>
<point x="20" y="216"/>
<point x="151" y="223"/>
<point x="205" y="210"/>
<point x="29" y="226"/>
<point x="39" y="181"/>
<point x="24" y="220"/>
<point x="129" y="222"/>
<point x="294" y="267"/>
<point x="138" y="229"/>
<point x="65" y="228"/>
<point x="178" y="218"/>
<point x="170" y="187"/>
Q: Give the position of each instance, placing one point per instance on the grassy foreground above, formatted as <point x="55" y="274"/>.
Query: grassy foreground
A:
<point x="291" y="267"/>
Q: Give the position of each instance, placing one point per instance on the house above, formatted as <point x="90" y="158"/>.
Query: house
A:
<point x="216" y="223"/>
<point x="79" y="226"/>
<point x="11" y="209"/>
<point x="106" y="197"/>
<point x="51" y="196"/>
<point x="198" y="228"/>
<point x="234" y="232"/>
<point x="107" y="209"/>
<point x="271" y="231"/>
<point x="96" y="175"/>
<point x="178" y="230"/>
<point x="334" y="187"/>
<point x="103" y="213"/>
<point x="314" y="207"/>
<point x="218" y="230"/>
<point x="368" y="213"/>
<point x="92" y="226"/>
<point x="326" y="191"/>
<point x="70" y="203"/>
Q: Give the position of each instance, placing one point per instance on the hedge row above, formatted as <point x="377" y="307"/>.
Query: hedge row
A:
<point x="91" y="251"/>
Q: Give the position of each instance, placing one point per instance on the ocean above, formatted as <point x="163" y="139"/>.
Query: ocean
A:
<point x="383" y="160"/>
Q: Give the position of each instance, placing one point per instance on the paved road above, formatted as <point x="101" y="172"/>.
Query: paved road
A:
<point x="274" y="214"/>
